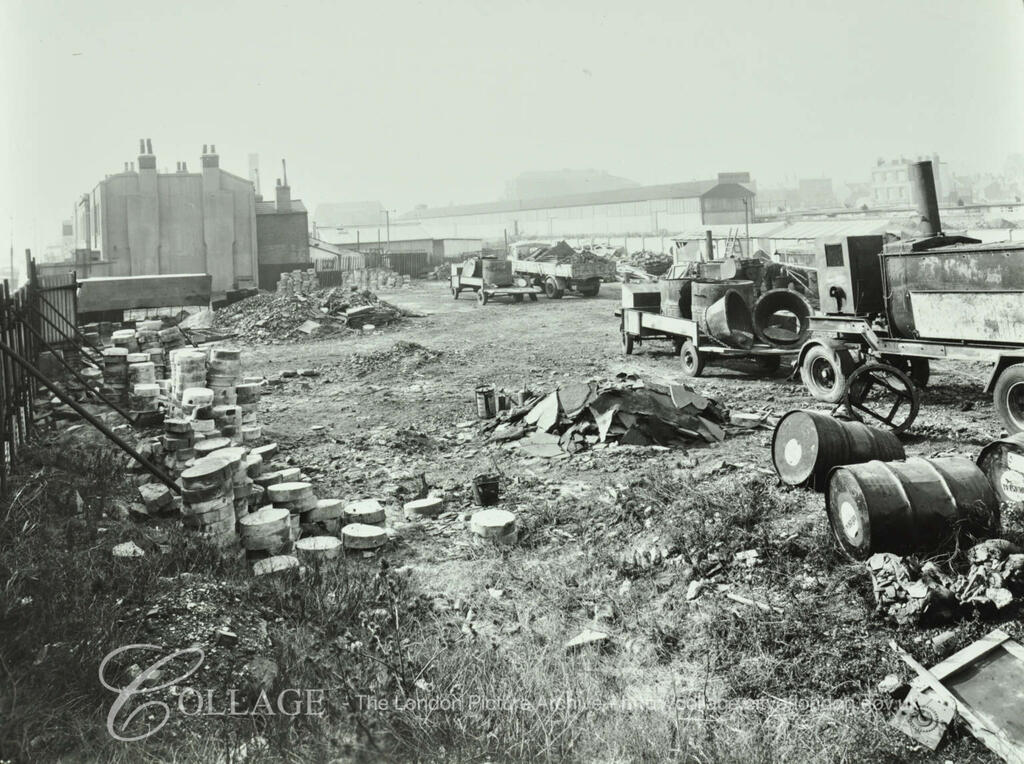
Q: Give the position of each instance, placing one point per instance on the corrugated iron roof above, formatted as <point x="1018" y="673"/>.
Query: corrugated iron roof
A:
<point x="689" y="190"/>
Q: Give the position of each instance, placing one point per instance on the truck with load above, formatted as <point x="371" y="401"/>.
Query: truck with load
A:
<point x="560" y="268"/>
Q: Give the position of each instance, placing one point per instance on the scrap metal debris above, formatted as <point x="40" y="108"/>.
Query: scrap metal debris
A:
<point x="629" y="411"/>
<point x="909" y="592"/>
<point x="281" y="315"/>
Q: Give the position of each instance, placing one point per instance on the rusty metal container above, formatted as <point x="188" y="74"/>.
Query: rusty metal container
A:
<point x="675" y="297"/>
<point x="704" y="294"/>
<point x="807" y="445"/>
<point x="728" y="321"/>
<point x="496" y="272"/>
<point x="907" y="507"/>
<point x="782" y="318"/>
<point x="1002" y="462"/>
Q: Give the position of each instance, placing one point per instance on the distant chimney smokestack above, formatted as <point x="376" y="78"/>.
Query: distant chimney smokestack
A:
<point x="149" y="146"/>
<point x="142" y="145"/>
<point x="146" y="159"/>
<point x="284" y="172"/>
<point x="922" y="181"/>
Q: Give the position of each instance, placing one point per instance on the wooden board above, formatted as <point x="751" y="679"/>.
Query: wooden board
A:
<point x="132" y="292"/>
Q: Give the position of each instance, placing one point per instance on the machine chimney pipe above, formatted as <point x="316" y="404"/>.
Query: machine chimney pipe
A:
<point x="922" y="180"/>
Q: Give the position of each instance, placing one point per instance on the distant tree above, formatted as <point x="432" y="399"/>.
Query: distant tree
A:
<point x="864" y="207"/>
<point x="959" y="202"/>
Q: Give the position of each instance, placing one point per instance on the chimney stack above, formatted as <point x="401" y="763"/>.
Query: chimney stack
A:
<point x="284" y="192"/>
<point x="210" y="158"/>
<point x="922" y="182"/>
<point x="147" y="161"/>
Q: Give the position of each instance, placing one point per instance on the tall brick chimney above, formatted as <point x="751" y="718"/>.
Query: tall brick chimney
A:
<point x="284" y="191"/>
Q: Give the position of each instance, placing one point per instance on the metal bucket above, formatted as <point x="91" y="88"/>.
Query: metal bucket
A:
<point x="782" y="318"/>
<point x="806" y="445"/>
<point x="485" y="402"/>
<point x="906" y="507"/>
<point x="728" y="321"/>
<point x="485" y="489"/>
<point x="1002" y="462"/>
<point x="675" y="297"/>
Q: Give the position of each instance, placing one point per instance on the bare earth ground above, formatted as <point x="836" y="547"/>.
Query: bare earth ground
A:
<point x="468" y="640"/>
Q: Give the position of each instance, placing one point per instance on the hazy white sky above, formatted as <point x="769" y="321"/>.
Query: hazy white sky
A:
<point x="410" y="102"/>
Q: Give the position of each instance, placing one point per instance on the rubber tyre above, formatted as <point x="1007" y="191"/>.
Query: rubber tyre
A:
<point x="481" y="297"/>
<point x="823" y="374"/>
<point x="1008" y="397"/>
<point x="455" y="293"/>
<point x="590" y="288"/>
<point x="692" y="360"/>
<point x="551" y="289"/>
<point x="627" y="343"/>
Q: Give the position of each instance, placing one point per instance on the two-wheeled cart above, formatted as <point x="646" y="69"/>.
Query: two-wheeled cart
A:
<point x="484" y="291"/>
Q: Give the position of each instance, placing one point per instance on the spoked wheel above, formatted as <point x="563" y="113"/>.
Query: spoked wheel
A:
<point x="693" y="361"/>
<point x="878" y="393"/>
<point x="627" y="343"/>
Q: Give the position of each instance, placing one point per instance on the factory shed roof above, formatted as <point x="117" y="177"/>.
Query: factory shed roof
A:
<point x="813" y="229"/>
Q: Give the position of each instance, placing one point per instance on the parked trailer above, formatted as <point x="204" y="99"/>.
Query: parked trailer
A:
<point x="558" y="278"/>
<point x="485" y="292"/>
<point x="694" y="348"/>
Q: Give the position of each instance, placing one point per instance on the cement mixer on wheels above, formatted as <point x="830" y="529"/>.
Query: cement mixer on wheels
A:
<point x="893" y="307"/>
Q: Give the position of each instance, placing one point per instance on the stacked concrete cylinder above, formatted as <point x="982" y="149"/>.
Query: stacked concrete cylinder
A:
<point x="228" y="421"/>
<point x="248" y="396"/>
<point x="324" y="519"/>
<point x="147" y="333"/>
<point x="156" y="357"/>
<point x="144" y="398"/>
<point x="265" y="533"/>
<point x="223" y="374"/>
<point x="171" y="339"/>
<point x="253" y="470"/>
<point x="178" y="444"/>
<point x="115" y="371"/>
<point x="208" y="497"/>
<point x="125" y="338"/>
<point x="188" y="370"/>
<point x="295" y="496"/>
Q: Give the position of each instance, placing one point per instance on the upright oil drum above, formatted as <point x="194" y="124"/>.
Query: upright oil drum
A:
<point x="496" y="272"/>
<point x="705" y="293"/>
<point x="912" y="507"/>
<point x="806" y="445"/>
<point x="675" y="297"/>
<point x="1002" y="461"/>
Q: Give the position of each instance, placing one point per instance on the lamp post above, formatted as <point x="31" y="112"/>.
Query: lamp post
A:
<point x="387" y="218"/>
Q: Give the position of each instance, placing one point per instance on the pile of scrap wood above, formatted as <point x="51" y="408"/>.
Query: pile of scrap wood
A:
<point x="909" y="592"/>
<point x="628" y="411"/>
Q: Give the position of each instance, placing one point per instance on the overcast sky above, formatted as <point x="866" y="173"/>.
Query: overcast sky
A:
<point x="442" y="102"/>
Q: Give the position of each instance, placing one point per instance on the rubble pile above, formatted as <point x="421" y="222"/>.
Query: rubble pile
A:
<point x="909" y="592"/>
<point x="562" y="254"/>
<point x="402" y="358"/>
<point x="654" y="263"/>
<point x="284" y="315"/>
<point x="628" y="411"/>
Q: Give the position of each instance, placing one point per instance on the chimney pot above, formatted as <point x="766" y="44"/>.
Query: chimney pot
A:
<point x="204" y="149"/>
<point x="213" y="149"/>
<point x="149" y="146"/>
<point x="142" y="145"/>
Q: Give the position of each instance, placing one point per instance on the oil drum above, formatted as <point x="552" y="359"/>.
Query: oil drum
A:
<point x="806" y="445"/>
<point x="1002" y="461"/>
<point x="729" y="322"/>
<point x="905" y="507"/>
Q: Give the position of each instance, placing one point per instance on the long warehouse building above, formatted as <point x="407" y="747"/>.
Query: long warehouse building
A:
<point x="644" y="209"/>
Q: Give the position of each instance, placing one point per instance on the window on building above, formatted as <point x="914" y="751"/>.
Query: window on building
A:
<point x="834" y="255"/>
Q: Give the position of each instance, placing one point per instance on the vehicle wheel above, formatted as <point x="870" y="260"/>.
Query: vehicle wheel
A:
<point x="918" y="369"/>
<point x="824" y="373"/>
<point x="677" y="346"/>
<point x="1008" y="397"/>
<point x="882" y="393"/>
<point x="693" y="362"/>
<point x="533" y="297"/>
<point x="551" y="289"/>
<point x="455" y="293"/>
<point x="517" y="298"/>
<point x="627" y="343"/>
<point x="591" y="288"/>
<point x="767" y="364"/>
<point x="481" y="297"/>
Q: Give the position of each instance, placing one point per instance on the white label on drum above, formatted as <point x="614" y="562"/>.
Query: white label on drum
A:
<point x="1015" y="461"/>
<point x="793" y="452"/>
<point x="1012" y="484"/>
<point x="850" y="518"/>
